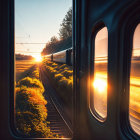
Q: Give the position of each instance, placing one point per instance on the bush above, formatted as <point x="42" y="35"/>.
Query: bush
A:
<point x="35" y="74"/>
<point x="29" y="126"/>
<point x="31" y="100"/>
<point x="31" y="82"/>
<point x="31" y="111"/>
<point x="58" y="76"/>
<point x="67" y="73"/>
<point x="61" y="76"/>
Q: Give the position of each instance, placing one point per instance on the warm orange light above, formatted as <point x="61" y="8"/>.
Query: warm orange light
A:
<point x="38" y="58"/>
<point x="100" y="85"/>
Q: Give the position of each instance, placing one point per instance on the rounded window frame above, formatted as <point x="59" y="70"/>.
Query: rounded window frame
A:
<point x="96" y="28"/>
<point x="129" y="24"/>
<point x="131" y="49"/>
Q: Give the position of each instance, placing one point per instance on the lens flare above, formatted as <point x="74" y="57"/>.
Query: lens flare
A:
<point x="100" y="85"/>
<point x="38" y="58"/>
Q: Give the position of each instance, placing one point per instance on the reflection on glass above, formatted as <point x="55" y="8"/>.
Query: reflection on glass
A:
<point x="100" y="73"/>
<point x="134" y="106"/>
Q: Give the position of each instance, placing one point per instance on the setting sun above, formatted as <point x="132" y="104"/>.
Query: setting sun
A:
<point x="100" y="85"/>
<point x="38" y="58"/>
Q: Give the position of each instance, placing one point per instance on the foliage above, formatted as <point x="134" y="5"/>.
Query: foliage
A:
<point x="66" y="26"/>
<point x="53" y="40"/>
<point x="57" y="46"/>
<point x="31" y="111"/>
<point x="65" y="35"/>
<point x="61" y="75"/>
<point x="30" y="82"/>
<point x="30" y="99"/>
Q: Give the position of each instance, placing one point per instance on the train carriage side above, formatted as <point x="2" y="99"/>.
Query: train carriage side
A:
<point x="65" y="56"/>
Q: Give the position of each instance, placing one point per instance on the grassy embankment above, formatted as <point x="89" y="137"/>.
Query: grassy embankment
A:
<point x="31" y="111"/>
<point x="22" y="66"/>
<point x="61" y="76"/>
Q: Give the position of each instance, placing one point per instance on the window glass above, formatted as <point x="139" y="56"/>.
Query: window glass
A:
<point x="100" y="74"/>
<point x="134" y="105"/>
<point x="44" y="71"/>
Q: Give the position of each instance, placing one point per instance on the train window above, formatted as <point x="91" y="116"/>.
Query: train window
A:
<point x="134" y="102"/>
<point x="43" y="69"/>
<point x="99" y="84"/>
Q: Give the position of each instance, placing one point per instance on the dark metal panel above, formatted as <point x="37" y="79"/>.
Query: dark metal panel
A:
<point x="71" y="57"/>
<point x="131" y="18"/>
<point x="110" y="13"/>
<point x="6" y="14"/>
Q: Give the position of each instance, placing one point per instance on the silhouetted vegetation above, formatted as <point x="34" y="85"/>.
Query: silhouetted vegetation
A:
<point x="57" y="46"/>
<point x="65" y="36"/>
<point x="66" y="26"/>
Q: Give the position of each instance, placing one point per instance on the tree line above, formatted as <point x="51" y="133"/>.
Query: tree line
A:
<point x="65" y="36"/>
<point x="24" y="57"/>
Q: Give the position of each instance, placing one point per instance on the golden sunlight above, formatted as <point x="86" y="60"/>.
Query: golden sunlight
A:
<point x="100" y="85"/>
<point x="38" y="58"/>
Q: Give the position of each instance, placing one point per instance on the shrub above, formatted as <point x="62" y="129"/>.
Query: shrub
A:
<point x="31" y="82"/>
<point x="67" y="73"/>
<point x="61" y="77"/>
<point x="35" y="74"/>
<point x="29" y="126"/>
<point x="63" y="66"/>
<point x="31" y="100"/>
<point x="31" y="111"/>
<point x="58" y="76"/>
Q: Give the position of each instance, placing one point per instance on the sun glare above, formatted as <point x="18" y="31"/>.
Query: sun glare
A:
<point x="100" y="85"/>
<point x="38" y="58"/>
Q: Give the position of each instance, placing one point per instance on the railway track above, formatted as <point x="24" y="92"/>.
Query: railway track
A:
<point x="58" y="123"/>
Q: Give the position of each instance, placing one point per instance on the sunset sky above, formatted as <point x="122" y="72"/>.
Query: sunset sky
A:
<point x="36" y="21"/>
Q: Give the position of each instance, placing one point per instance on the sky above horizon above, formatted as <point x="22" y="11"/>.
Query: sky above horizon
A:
<point x="36" y="21"/>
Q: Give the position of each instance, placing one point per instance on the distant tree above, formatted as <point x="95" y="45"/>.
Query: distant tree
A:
<point x="66" y="26"/>
<point x="53" y="40"/>
<point x="65" y="34"/>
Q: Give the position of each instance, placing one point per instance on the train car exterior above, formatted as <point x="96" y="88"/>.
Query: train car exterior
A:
<point x="64" y="56"/>
<point x="60" y="57"/>
<point x="68" y="56"/>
